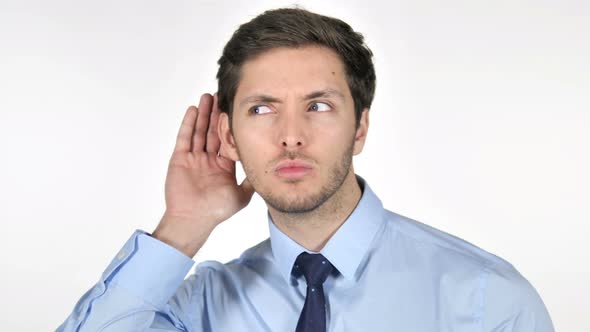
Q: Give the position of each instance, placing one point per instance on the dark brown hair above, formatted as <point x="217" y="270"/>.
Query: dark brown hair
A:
<point x="296" y="27"/>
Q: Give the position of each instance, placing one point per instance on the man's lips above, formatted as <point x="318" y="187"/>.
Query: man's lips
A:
<point x="293" y="169"/>
<point x="292" y="164"/>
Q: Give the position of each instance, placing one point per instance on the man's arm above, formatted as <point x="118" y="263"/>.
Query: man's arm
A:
<point x="135" y="293"/>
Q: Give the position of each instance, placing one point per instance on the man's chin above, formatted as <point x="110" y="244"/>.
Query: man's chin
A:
<point x="295" y="205"/>
<point x="292" y="209"/>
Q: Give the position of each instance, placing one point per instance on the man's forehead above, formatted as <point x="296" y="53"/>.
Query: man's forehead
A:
<point x="302" y="60"/>
<point x="300" y="71"/>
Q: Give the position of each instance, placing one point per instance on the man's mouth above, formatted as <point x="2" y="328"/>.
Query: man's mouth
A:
<point x="293" y="169"/>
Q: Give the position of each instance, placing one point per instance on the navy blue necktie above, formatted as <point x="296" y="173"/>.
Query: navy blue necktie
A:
<point x="316" y="269"/>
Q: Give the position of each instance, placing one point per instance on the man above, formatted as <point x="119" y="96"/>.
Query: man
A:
<point x="293" y="103"/>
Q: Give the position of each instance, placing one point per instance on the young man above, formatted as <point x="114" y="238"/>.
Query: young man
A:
<point x="294" y="94"/>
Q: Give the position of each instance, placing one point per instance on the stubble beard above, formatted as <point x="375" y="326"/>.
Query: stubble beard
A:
<point x="298" y="205"/>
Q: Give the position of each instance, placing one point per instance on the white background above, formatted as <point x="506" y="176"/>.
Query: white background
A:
<point x="479" y="127"/>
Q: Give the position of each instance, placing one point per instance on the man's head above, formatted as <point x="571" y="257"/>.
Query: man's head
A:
<point x="295" y="28"/>
<point x="295" y="87"/>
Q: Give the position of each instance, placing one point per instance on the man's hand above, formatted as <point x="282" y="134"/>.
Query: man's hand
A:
<point x="201" y="185"/>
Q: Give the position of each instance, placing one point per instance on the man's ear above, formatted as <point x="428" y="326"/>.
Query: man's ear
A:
<point x="228" y="145"/>
<point x="361" y="132"/>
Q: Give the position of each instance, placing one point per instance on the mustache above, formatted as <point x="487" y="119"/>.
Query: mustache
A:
<point x="292" y="156"/>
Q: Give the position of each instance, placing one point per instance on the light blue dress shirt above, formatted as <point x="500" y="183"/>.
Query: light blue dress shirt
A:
<point x="395" y="274"/>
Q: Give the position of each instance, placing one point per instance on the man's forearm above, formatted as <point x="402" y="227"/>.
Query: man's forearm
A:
<point x="135" y="287"/>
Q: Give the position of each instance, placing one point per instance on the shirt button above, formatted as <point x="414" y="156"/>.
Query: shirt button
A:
<point x="121" y="255"/>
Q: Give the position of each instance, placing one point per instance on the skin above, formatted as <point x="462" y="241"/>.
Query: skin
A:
<point x="320" y="131"/>
<point x="286" y="124"/>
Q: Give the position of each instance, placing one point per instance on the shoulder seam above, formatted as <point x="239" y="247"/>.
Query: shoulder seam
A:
<point x="482" y="260"/>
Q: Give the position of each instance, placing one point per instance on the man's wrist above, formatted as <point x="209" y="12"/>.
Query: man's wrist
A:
<point x="178" y="232"/>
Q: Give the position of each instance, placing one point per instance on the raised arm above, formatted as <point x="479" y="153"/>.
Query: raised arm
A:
<point x="143" y="288"/>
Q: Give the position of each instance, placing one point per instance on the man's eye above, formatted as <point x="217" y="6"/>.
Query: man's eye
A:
<point x="320" y="107"/>
<point x="260" y="109"/>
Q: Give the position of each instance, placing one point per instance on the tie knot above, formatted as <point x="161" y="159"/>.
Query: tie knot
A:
<point x="315" y="268"/>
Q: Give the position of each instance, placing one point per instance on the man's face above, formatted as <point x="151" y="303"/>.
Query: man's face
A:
<point x="294" y="127"/>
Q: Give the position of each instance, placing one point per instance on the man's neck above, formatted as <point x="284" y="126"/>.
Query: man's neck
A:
<point x="313" y="229"/>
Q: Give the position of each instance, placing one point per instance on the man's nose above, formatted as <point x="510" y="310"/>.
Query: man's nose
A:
<point x="293" y="129"/>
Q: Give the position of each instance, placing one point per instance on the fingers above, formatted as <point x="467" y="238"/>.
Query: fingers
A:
<point x="213" y="141"/>
<point x="185" y="134"/>
<point x="202" y="124"/>
<point x="198" y="131"/>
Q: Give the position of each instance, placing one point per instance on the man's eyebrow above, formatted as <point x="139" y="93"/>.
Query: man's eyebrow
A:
<point x="326" y="93"/>
<point x="263" y="99"/>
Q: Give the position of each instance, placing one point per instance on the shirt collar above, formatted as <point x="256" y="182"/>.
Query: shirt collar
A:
<point x="346" y="248"/>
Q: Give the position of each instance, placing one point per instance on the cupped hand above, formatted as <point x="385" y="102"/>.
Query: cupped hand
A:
<point x="201" y="187"/>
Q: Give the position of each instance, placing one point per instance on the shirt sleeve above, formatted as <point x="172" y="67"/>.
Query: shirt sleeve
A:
<point x="134" y="292"/>
<point x="511" y="304"/>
